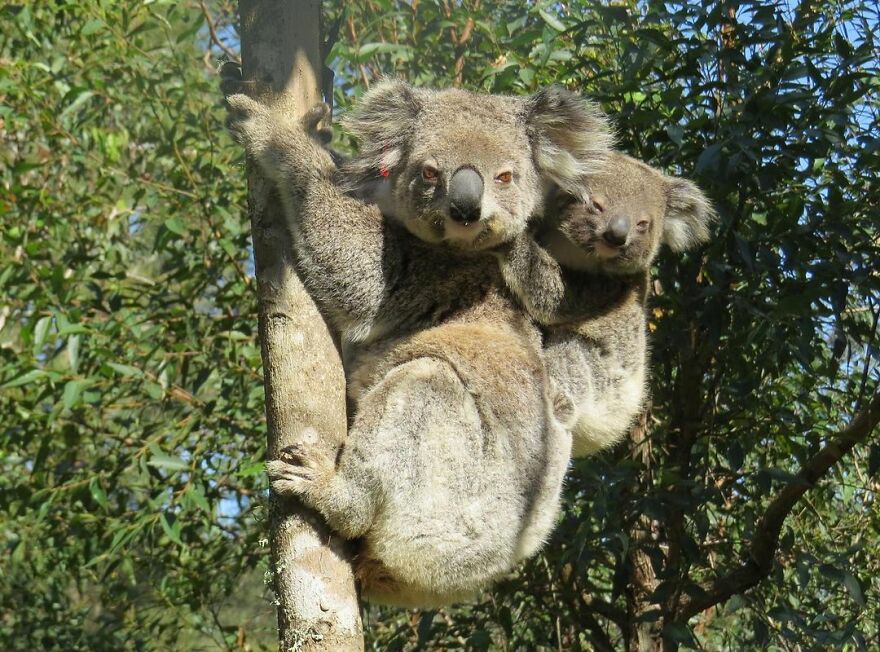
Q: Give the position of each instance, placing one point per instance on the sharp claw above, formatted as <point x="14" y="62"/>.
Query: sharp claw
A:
<point x="230" y="70"/>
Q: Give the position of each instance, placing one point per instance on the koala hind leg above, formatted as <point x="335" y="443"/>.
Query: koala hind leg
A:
<point x="306" y="470"/>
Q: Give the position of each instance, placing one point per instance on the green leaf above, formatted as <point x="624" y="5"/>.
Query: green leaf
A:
<point x="162" y="460"/>
<point x="171" y="526"/>
<point x="97" y="492"/>
<point x="675" y="133"/>
<point x="91" y="27"/>
<point x="174" y="225"/>
<point x="709" y="161"/>
<point x="154" y="390"/>
<point x="198" y="498"/>
<point x="72" y="391"/>
<point x="24" y="379"/>
<point x="40" y="330"/>
<point x="249" y="470"/>
<point x="124" y="369"/>
<point x="680" y="634"/>
<point x="854" y="588"/>
<point x="551" y="20"/>
<point x="73" y="352"/>
<point x="424" y="630"/>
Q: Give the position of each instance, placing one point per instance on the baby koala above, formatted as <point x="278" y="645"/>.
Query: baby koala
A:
<point x="584" y="277"/>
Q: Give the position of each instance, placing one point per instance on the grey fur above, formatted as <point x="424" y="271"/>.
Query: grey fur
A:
<point x="453" y="466"/>
<point x="591" y="296"/>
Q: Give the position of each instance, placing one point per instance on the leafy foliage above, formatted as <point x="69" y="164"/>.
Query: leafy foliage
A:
<point x="131" y="395"/>
<point x="130" y="401"/>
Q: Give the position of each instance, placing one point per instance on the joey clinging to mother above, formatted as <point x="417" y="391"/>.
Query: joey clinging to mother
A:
<point x="453" y="465"/>
<point x="584" y="276"/>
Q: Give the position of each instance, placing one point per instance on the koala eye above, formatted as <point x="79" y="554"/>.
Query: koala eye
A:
<point x="430" y="173"/>
<point x="642" y="226"/>
<point x="504" y="177"/>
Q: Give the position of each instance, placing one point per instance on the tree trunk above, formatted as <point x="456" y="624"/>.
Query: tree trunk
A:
<point x="642" y="635"/>
<point x="305" y="385"/>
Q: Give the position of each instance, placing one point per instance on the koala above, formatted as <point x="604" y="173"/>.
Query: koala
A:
<point x="453" y="465"/>
<point x="584" y="276"/>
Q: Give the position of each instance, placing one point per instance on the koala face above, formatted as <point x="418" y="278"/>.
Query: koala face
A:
<point x="632" y="210"/>
<point x="468" y="169"/>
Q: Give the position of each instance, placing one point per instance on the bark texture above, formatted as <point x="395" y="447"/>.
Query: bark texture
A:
<point x="304" y="381"/>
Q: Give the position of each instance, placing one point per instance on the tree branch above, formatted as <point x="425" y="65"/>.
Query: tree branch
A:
<point x="215" y="38"/>
<point x="601" y="640"/>
<point x="605" y="609"/>
<point x="763" y="548"/>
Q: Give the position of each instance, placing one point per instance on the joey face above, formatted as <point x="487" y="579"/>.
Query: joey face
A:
<point x="632" y="210"/>
<point x="618" y="229"/>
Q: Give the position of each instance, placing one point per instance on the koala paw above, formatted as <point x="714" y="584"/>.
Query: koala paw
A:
<point x="563" y="407"/>
<point x="248" y="122"/>
<point x="312" y="120"/>
<point x="300" y="468"/>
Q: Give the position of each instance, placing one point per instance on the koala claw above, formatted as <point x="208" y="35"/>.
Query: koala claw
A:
<point x="231" y="81"/>
<point x="230" y="70"/>
<point x="298" y="469"/>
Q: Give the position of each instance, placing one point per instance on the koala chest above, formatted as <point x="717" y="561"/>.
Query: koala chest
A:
<point x="601" y="377"/>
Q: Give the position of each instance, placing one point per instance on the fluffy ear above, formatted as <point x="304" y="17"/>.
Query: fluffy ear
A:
<point x="689" y="215"/>
<point x="383" y="124"/>
<point x="570" y="137"/>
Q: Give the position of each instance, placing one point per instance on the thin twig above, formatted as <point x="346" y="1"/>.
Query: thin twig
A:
<point x="215" y="39"/>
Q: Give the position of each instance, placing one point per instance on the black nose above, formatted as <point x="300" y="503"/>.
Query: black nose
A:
<point x="617" y="230"/>
<point x="465" y="195"/>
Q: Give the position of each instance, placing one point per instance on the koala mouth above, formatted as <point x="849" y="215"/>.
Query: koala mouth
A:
<point x="463" y="230"/>
<point x="602" y="249"/>
<point x="473" y="235"/>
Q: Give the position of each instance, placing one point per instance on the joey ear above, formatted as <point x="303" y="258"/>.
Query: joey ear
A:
<point x="383" y="123"/>
<point x="689" y="215"/>
<point x="570" y="136"/>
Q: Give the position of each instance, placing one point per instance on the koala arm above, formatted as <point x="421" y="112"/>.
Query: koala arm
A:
<point x="552" y="294"/>
<point x="341" y="242"/>
<point x="534" y="276"/>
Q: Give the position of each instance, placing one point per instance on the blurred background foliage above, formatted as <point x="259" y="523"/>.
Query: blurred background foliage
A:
<point x="132" y="495"/>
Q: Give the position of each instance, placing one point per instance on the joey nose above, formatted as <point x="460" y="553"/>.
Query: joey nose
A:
<point x="617" y="230"/>
<point x="465" y="195"/>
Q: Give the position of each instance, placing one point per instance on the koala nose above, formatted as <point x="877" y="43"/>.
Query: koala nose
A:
<point x="617" y="230"/>
<point x="465" y="195"/>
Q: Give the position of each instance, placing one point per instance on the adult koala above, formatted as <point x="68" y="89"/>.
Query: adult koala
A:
<point x="453" y="465"/>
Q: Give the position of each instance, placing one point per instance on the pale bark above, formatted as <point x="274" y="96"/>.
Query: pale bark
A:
<point x="305" y="386"/>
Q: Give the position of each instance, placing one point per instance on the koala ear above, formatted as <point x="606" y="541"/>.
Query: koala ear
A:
<point x="383" y="123"/>
<point x="689" y="215"/>
<point x="570" y="137"/>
